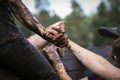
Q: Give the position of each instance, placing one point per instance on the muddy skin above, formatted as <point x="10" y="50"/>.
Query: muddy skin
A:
<point x="53" y="56"/>
<point x="22" y="13"/>
<point x="25" y="17"/>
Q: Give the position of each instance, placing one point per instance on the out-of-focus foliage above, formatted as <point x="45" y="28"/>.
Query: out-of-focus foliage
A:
<point x="77" y="31"/>
<point x="81" y="28"/>
<point x="46" y="19"/>
<point x="108" y="15"/>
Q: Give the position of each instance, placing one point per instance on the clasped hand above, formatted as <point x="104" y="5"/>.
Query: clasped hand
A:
<point x="56" y="34"/>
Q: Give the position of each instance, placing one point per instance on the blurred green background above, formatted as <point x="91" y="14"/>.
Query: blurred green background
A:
<point x="82" y="28"/>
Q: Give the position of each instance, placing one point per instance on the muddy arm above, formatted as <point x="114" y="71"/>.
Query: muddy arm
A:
<point x="53" y="56"/>
<point x="22" y="13"/>
<point x="51" y="33"/>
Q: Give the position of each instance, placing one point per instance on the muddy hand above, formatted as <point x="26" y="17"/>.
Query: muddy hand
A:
<point x="51" y="48"/>
<point x="52" y="54"/>
<point x="56" y="34"/>
<point x="61" y="51"/>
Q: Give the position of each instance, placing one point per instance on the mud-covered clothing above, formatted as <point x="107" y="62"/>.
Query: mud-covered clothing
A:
<point x="17" y="54"/>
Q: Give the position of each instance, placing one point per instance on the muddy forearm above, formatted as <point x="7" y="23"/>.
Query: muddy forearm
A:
<point x="52" y="55"/>
<point x="59" y="67"/>
<point x="25" y="17"/>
